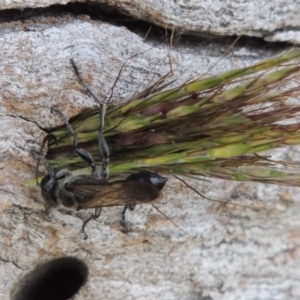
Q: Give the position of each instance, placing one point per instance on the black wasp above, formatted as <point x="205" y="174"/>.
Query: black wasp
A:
<point x="94" y="190"/>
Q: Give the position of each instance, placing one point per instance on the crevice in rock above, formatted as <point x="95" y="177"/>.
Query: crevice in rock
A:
<point x="143" y="28"/>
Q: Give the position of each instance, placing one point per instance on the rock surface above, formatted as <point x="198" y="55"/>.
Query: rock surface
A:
<point x="272" y="20"/>
<point x="232" y="252"/>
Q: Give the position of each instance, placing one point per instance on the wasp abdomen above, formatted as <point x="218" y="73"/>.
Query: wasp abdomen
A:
<point x="144" y="186"/>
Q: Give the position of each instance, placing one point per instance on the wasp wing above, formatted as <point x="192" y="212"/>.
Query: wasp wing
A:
<point x="93" y="192"/>
<point x="137" y="188"/>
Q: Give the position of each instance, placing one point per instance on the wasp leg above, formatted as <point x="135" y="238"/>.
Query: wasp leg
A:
<point x="123" y="220"/>
<point x="101" y="139"/>
<point x="93" y="217"/>
<point x="82" y="82"/>
<point x="103" y="144"/>
<point x="83" y="154"/>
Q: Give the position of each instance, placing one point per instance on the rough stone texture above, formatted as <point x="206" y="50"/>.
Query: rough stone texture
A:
<point x="232" y="252"/>
<point x="273" y="20"/>
<point x="253" y="18"/>
<point x="21" y="4"/>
